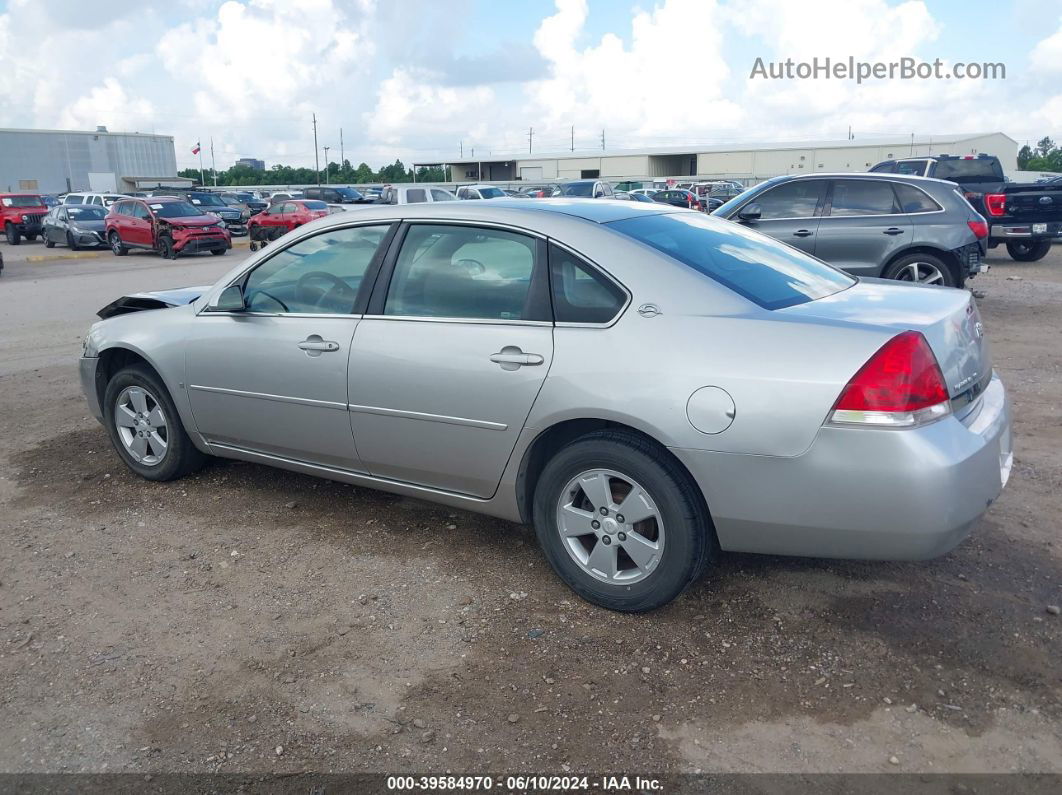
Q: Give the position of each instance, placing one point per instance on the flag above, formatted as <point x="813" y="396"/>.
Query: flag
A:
<point x="195" y="149"/>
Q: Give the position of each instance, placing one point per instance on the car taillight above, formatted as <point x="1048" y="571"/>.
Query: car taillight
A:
<point x="996" y="204"/>
<point x="901" y="386"/>
<point x="979" y="228"/>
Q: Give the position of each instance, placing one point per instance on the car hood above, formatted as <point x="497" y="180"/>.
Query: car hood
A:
<point x="193" y="220"/>
<point x="162" y="299"/>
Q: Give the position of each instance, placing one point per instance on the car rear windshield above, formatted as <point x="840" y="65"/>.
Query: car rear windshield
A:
<point x="174" y="209"/>
<point x="23" y="201"/>
<point x="755" y="266"/>
<point x="313" y="205"/>
<point x="978" y="169"/>
<point x="577" y="189"/>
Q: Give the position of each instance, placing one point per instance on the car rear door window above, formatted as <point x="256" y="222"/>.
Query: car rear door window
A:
<point x="581" y="293"/>
<point x="913" y="200"/>
<point x="74" y="200"/>
<point x="317" y="275"/>
<point x="862" y="197"/>
<point x="462" y="272"/>
<point x="441" y="195"/>
<point x="416" y="195"/>
<point x="141" y="211"/>
<point x="796" y="199"/>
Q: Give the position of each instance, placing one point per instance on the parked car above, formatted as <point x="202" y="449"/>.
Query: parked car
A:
<point x="100" y="199"/>
<point x="881" y="225"/>
<point x="632" y="196"/>
<point x="515" y="194"/>
<point x="50" y="201"/>
<point x="414" y="194"/>
<point x="168" y="225"/>
<point x="541" y="191"/>
<point x="335" y="194"/>
<point x="244" y="200"/>
<point x="1025" y="216"/>
<point x="75" y="226"/>
<point x="235" y="219"/>
<point x="585" y="188"/>
<point x="281" y="218"/>
<point x="647" y="192"/>
<point x="678" y="198"/>
<point x="830" y="397"/>
<point x="480" y="192"/>
<point x="21" y="214"/>
<point x="285" y="195"/>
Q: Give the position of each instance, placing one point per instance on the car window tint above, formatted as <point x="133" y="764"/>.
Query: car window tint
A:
<point x="320" y="274"/>
<point x="974" y="169"/>
<point x="416" y="195"/>
<point x="913" y="200"/>
<point x="141" y="211"/>
<point x="441" y="195"/>
<point x="863" y="197"/>
<point x="581" y="294"/>
<point x="74" y="200"/>
<point x="796" y="199"/>
<point x="911" y="167"/>
<point x="887" y="167"/>
<point x="753" y="265"/>
<point x="462" y="272"/>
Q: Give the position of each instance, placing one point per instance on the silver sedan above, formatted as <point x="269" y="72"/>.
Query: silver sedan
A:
<point x="646" y="385"/>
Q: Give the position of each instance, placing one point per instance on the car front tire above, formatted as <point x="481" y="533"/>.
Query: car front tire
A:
<point x="922" y="269"/>
<point x="1028" y="251"/>
<point x="13" y="235"/>
<point x="621" y="522"/>
<point x="116" y="244"/>
<point x="145" y="427"/>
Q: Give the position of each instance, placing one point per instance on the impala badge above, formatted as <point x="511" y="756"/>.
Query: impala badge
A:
<point x="649" y="310"/>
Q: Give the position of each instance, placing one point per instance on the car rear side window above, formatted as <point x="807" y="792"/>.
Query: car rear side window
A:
<point x="862" y="197"/>
<point x="581" y="293"/>
<point x="796" y="199"/>
<point x="441" y="195"/>
<point x="462" y="272"/>
<point x="914" y="168"/>
<point x="74" y="200"/>
<point x="319" y="274"/>
<point x="416" y="195"/>
<point x="913" y="200"/>
<point x="766" y="272"/>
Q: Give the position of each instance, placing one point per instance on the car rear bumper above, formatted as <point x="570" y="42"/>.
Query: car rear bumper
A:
<point x="1025" y="231"/>
<point x="863" y="493"/>
<point x="87" y="370"/>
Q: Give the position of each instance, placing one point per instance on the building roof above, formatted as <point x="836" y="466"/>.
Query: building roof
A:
<point x="83" y="132"/>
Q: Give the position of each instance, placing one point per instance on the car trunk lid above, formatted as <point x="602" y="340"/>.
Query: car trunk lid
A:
<point x="946" y="317"/>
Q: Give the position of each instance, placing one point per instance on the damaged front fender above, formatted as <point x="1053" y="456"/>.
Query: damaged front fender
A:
<point x="163" y="299"/>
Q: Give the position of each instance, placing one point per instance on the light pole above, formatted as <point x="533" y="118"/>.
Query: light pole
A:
<point x="326" y="148"/>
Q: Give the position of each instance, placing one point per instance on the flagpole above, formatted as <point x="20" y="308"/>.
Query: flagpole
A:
<point x="213" y="165"/>
<point x="202" y="176"/>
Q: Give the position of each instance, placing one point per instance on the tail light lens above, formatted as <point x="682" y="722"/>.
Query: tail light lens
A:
<point x="901" y="386"/>
<point x="979" y="228"/>
<point x="996" y="204"/>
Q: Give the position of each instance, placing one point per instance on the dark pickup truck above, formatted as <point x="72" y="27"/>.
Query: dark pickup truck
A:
<point x="1026" y="216"/>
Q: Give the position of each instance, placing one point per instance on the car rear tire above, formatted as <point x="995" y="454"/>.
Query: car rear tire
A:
<point x="116" y="244"/>
<point x="217" y="252"/>
<point x="166" y="248"/>
<point x="634" y="562"/>
<point x="1028" y="251"/>
<point x="145" y="427"/>
<point x="923" y="269"/>
<point x="13" y="235"/>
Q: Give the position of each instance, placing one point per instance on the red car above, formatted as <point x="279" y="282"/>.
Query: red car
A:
<point x="167" y="225"/>
<point x="679" y="198"/>
<point x="22" y="215"/>
<point x="283" y="217"/>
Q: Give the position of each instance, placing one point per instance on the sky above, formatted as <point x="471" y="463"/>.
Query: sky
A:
<point x="423" y="79"/>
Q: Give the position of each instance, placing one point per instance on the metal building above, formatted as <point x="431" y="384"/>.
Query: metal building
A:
<point x="57" y="161"/>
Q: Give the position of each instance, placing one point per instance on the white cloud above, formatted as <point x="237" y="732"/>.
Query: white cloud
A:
<point x="1046" y="56"/>
<point x="411" y="103"/>
<point x="89" y="110"/>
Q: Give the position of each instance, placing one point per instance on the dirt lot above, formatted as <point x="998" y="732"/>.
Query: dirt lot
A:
<point x="247" y="619"/>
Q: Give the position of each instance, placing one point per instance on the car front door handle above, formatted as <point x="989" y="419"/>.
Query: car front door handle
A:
<point x="893" y="230"/>
<point x="802" y="233"/>
<point x="315" y="346"/>
<point x="510" y="358"/>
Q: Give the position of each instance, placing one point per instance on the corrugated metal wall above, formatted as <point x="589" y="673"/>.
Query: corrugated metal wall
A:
<point x="60" y="161"/>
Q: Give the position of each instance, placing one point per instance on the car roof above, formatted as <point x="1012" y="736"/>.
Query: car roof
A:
<point x="861" y="175"/>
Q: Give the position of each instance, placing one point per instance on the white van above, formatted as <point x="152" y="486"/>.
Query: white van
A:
<point x="99" y="199"/>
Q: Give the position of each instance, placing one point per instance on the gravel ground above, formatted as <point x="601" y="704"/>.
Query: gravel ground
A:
<point x="248" y="619"/>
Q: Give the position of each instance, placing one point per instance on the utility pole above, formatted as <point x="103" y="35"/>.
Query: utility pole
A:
<point x="326" y="163"/>
<point x="342" y="157"/>
<point x="462" y="149"/>
<point x="573" y="137"/>
<point x="213" y="165"/>
<point x="316" y="162"/>
<point x="602" y="140"/>
<point x="530" y="138"/>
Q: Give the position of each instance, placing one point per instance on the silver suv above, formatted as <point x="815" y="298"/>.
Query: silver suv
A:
<point x="883" y="225"/>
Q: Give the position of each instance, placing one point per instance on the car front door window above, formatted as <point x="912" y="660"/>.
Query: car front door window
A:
<point x="796" y="199"/>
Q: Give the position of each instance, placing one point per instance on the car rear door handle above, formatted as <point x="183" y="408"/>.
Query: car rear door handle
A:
<point x="510" y="358"/>
<point x="893" y="230"/>
<point x="802" y="233"/>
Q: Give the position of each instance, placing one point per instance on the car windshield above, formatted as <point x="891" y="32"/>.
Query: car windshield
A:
<point x="577" y="189"/>
<point x="174" y="209"/>
<point x="85" y="212"/>
<point x="754" y="266"/>
<point x="23" y="201"/>
<point x="206" y="200"/>
<point x="726" y="208"/>
<point x="348" y="193"/>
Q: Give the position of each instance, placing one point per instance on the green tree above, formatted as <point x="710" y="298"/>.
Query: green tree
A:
<point x="1045" y="146"/>
<point x="1025" y="154"/>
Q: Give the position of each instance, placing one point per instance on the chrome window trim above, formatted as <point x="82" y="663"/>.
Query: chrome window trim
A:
<point x="317" y="315"/>
<point x="622" y="310"/>
<point x="426" y="417"/>
<point x="476" y="320"/>
<point x="733" y="215"/>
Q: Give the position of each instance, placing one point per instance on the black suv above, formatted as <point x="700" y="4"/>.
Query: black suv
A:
<point x="335" y="195"/>
<point x="1026" y="216"/>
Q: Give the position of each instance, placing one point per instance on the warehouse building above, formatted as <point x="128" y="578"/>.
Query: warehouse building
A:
<point x="748" y="163"/>
<point x="57" y="161"/>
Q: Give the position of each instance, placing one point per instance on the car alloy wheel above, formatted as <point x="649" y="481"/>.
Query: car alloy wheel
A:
<point x="921" y="272"/>
<point x="142" y="426"/>
<point x="610" y="527"/>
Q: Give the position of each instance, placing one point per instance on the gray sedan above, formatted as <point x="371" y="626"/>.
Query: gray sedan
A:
<point x="75" y="225"/>
<point x="645" y="385"/>
<point x="886" y="225"/>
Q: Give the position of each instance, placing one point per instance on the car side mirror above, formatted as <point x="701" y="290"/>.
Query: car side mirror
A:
<point x="230" y="300"/>
<point x="750" y="212"/>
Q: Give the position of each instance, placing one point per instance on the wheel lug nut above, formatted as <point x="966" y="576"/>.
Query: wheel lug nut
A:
<point x="604" y="511"/>
<point x="595" y="524"/>
<point x="606" y="541"/>
<point x="621" y="536"/>
<point x="619" y="518"/>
